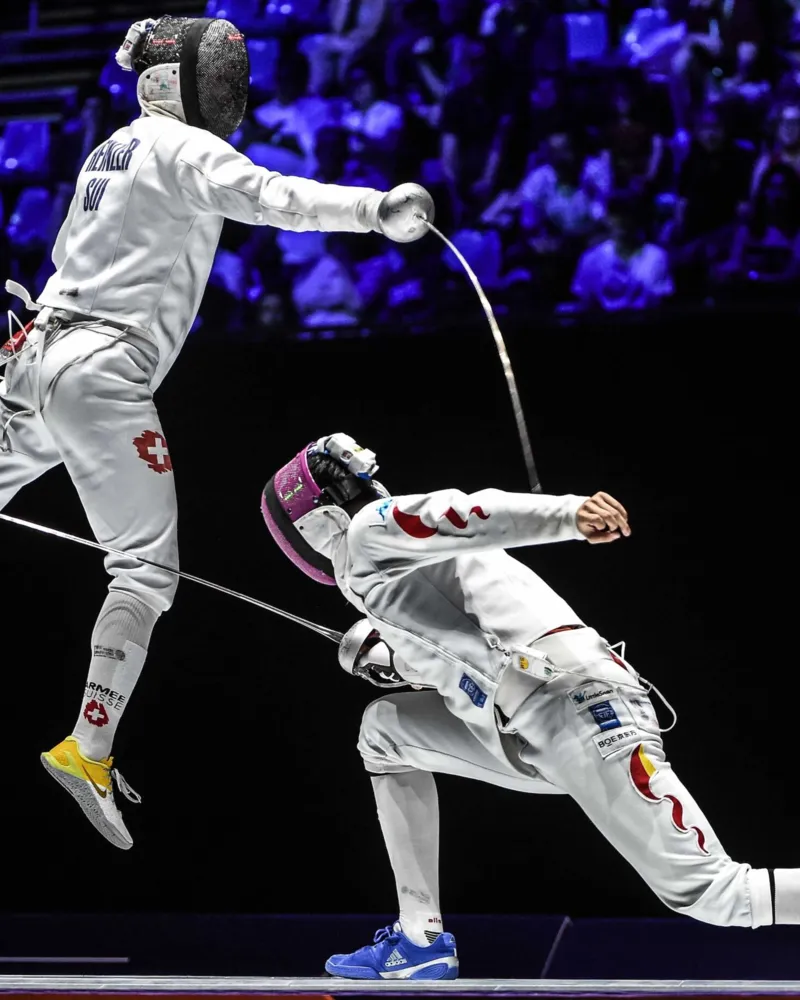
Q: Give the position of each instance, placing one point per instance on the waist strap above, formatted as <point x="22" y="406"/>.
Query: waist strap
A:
<point x="66" y="319"/>
<point x="558" y="652"/>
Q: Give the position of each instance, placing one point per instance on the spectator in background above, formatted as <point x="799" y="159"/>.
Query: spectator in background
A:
<point x="272" y="314"/>
<point x="748" y="85"/>
<point x="373" y="269"/>
<point x="440" y="56"/>
<point x="549" y="113"/>
<point x="354" y="25"/>
<point x="374" y="125"/>
<point x="766" y="249"/>
<point x="633" y="151"/>
<point x="713" y="191"/>
<point x="325" y="294"/>
<point x="547" y="220"/>
<point x="698" y="52"/>
<point x="626" y="271"/>
<point x="714" y="179"/>
<point x="511" y="29"/>
<point x="719" y="35"/>
<point x="289" y="122"/>
<point x="786" y="149"/>
<point x="412" y="20"/>
<point x="554" y="213"/>
<point x="405" y="83"/>
<point x="652" y="37"/>
<point x="472" y="132"/>
<point x="556" y="197"/>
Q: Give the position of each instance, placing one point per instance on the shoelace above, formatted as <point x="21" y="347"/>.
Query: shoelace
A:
<point x="125" y="788"/>
<point x="386" y="934"/>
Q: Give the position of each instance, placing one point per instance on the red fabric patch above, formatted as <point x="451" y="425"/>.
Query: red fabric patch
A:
<point x="152" y="448"/>
<point x="95" y="714"/>
<point x="641" y="781"/>
<point x="412" y="524"/>
<point x="457" y="521"/>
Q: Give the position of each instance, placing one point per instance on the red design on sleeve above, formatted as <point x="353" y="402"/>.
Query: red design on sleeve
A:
<point x="458" y="521"/>
<point x="412" y="523"/>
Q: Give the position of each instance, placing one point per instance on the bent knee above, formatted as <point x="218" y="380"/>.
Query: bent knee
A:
<point x="377" y="738"/>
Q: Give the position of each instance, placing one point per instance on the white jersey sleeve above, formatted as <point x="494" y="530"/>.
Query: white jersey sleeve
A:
<point x="425" y="529"/>
<point x="213" y="178"/>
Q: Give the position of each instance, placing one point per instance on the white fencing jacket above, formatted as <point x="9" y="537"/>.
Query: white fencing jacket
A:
<point x="139" y="240"/>
<point x="430" y="574"/>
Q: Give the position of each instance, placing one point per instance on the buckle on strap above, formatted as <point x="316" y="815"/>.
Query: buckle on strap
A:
<point x="20" y="292"/>
<point x="528" y="670"/>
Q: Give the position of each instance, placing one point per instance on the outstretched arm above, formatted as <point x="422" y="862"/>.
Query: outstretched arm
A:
<point x="420" y="530"/>
<point x="213" y="178"/>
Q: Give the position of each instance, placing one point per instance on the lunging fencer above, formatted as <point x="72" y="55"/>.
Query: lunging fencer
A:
<point x="514" y="689"/>
<point x="133" y="258"/>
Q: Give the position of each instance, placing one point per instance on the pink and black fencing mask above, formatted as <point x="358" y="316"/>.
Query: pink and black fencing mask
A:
<point x="302" y="512"/>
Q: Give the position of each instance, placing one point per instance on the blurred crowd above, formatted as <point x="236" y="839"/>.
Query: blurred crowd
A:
<point x="583" y="155"/>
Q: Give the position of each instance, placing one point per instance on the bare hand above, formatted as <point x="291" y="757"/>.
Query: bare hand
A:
<point x="601" y="519"/>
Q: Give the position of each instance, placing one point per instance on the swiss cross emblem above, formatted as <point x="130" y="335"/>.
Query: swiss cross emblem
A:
<point x="95" y="713"/>
<point x="152" y="448"/>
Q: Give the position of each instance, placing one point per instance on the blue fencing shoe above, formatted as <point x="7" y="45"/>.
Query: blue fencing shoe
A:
<point x="394" y="956"/>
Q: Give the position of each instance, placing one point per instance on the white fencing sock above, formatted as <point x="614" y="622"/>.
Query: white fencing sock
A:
<point x="408" y="809"/>
<point x="119" y="647"/>
<point x="787" y="895"/>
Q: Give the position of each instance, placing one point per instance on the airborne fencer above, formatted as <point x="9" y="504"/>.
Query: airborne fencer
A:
<point x="513" y="689"/>
<point x="133" y="257"/>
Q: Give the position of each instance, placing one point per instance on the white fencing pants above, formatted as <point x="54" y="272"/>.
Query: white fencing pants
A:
<point x="87" y="403"/>
<point x="592" y="734"/>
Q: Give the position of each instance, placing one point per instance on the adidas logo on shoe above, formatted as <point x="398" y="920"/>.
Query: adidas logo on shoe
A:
<point x="395" y="959"/>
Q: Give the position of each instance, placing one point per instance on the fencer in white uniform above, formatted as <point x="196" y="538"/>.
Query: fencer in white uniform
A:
<point x="133" y="258"/>
<point x="514" y="689"/>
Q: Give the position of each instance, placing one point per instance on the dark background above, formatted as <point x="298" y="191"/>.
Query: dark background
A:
<point x="241" y="736"/>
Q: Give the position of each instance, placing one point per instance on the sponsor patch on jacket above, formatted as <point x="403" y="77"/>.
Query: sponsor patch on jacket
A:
<point x="609" y="743"/>
<point x="605" y="716"/>
<point x="588" y="694"/>
<point x="477" y="697"/>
